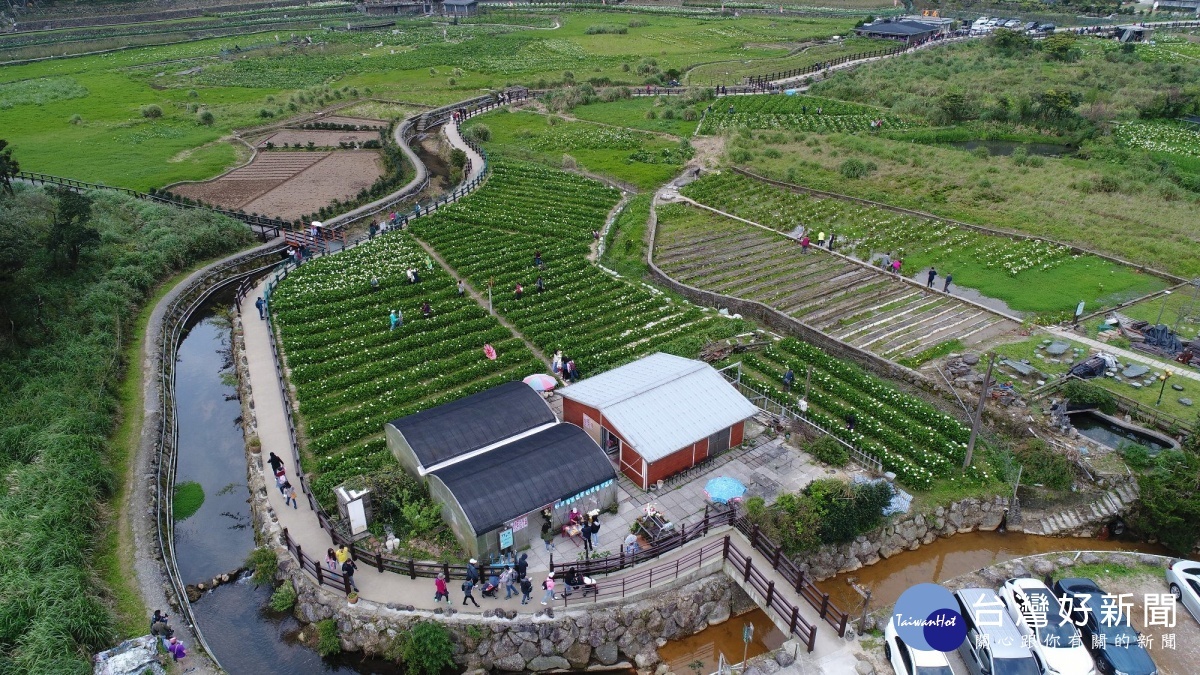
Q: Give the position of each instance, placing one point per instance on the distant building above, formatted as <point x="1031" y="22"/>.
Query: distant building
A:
<point x="906" y="31"/>
<point x="659" y="415"/>
<point x="494" y="460"/>
<point x="394" y="7"/>
<point x="460" y="7"/>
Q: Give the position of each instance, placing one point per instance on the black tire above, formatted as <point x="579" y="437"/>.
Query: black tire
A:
<point x="887" y="650"/>
<point x="1178" y="595"/>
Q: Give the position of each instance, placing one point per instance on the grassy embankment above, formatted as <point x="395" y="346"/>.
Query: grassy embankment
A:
<point x="71" y="302"/>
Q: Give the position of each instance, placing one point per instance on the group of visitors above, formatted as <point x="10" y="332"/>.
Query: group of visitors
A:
<point x="889" y="264"/>
<point x="933" y="275"/>
<point x="564" y="367"/>
<point x="393" y="220"/>
<point x="342" y="560"/>
<point x="281" y="481"/>
<point x="514" y="579"/>
<point x="160" y="628"/>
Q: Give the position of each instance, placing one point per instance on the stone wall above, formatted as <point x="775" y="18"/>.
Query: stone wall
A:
<point x="612" y="633"/>
<point x="907" y="533"/>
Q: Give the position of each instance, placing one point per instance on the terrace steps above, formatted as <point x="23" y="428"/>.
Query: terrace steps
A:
<point x="1082" y="520"/>
<point x="858" y="304"/>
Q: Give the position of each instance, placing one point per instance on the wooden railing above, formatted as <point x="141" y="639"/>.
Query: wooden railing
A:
<point x="762" y="80"/>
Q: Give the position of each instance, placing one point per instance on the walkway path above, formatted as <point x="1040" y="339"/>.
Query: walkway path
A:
<point x="456" y="140"/>
<point x="1176" y="368"/>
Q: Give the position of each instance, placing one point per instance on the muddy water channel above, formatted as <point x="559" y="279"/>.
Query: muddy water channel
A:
<point x="245" y="635"/>
<point x="950" y="557"/>
<point x="725" y="638"/>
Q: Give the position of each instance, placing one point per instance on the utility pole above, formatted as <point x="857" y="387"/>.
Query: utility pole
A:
<point x="1166" y="295"/>
<point x="987" y="380"/>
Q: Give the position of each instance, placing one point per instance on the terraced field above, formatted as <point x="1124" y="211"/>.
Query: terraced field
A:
<point x="852" y="302"/>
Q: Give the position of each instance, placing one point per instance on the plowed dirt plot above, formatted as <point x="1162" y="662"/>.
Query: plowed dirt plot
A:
<point x="321" y="139"/>
<point x="340" y="175"/>
<point x="241" y="186"/>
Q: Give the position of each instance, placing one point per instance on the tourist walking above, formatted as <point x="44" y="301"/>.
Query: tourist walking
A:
<point x="468" y="588"/>
<point x="343" y="554"/>
<point x="259" y="304"/>
<point x="348" y="568"/>
<point x="374" y="284"/>
<point x="331" y="560"/>
<point x="788" y="379"/>
<point x="537" y="258"/>
<point x="526" y="590"/>
<point x="946" y="286"/>
<point x="896" y="266"/>
<point x="885" y="261"/>
<point x="275" y="462"/>
<point x="281" y="482"/>
<point x="373" y="230"/>
<point x="595" y="531"/>
<point x="289" y="494"/>
<point x="548" y="536"/>
<point x="518" y="291"/>
<point x="508" y="579"/>
<point x="462" y="288"/>
<point x="440" y="591"/>
<point x="832" y="236"/>
<point x="393" y="320"/>
<point x="541" y="285"/>
<point x="426" y="310"/>
<point x="821" y="239"/>
<point x="428" y="262"/>
<point x="932" y="275"/>
<point x="472" y="571"/>
<point x="548" y="586"/>
<point x="572" y="374"/>
<point x="175" y="647"/>
<point x="631" y="544"/>
<point x="521" y="569"/>
<point x="556" y="362"/>
<point x="804" y="243"/>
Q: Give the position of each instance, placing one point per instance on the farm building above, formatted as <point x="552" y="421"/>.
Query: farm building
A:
<point x="909" y="32"/>
<point x="394" y="7"/>
<point x="659" y="415"/>
<point x="494" y="460"/>
<point x="460" y="7"/>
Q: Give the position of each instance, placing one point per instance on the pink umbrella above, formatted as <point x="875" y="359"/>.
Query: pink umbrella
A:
<point x="490" y="352"/>
<point x="541" y="382"/>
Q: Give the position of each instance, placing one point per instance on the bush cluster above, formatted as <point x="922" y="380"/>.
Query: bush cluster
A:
<point x="827" y="511"/>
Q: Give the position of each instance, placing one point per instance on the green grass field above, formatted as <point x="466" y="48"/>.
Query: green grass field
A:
<point x="641" y="159"/>
<point x="633" y="113"/>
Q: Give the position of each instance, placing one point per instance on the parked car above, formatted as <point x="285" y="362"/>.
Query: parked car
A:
<point x="908" y="661"/>
<point x="1012" y="23"/>
<point x="1047" y="28"/>
<point x="993" y="645"/>
<point x="1030" y="27"/>
<point x="1058" y="642"/>
<point x="1119" y="653"/>
<point x="1184" y="579"/>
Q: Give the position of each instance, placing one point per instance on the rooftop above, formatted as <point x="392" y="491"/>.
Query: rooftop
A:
<point x="900" y="28"/>
<point x="662" y="403"/>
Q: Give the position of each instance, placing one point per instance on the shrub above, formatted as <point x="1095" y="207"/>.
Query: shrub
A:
<point x="426" y="649"/>
<point x="847" y="509"/>
<point x="284" y="597"/>
<point x="76" y="119"/>
<point x="328" y="642"/>
<point x="205" y="117"/>
<point x="690" y="115"/>
<point x="1137" y="456"/>
<point x="480" y="133"/>
<point x="452" y="82"/>
<point x="981" y="152"/>
<point x="266" y="113"/>
<point x="1044" y="466"/>
<point x="151" y="112"/>
<point x="192" y="93"/>
<point x="651" y="115"/>
<point x="1020" y="156"/>
<point x="606" y="29"/>
<point x="1083" y="393"/>
<point x="668" y="114"/>
<point x="1169" y="508"/>
<point x="772" y="153"/>
<point x="569" y="163"/>
<point x="856" y="168"/>
<point x="264" y="563"/>
<point x="829" y="450"/>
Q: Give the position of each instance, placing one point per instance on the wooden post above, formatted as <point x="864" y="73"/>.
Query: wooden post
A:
<point x="799" y="581"/>
<point x="770" y="593"/>
<point x="412" y="569"/>
<point x="979" y="410"/>
<point x="795" y="619"/>
<point x="299" y="555"/>
<point x="706" y="519"/>
<point x="825" y="606"/>
<point x="754" y="537"/>
<point x="320" y="573"/>
<point x="725" y="549"/>
<point x="446" y="571"/>
<point x="749" y="566"/>
<point x="379" y="561"/>
<point x="346" y="584"/>
<point x="775" y="559"/>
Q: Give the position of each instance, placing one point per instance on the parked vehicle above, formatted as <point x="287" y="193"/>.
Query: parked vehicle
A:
<point x="1012" y="23"/>
<point x="1030" y="27"/>
<point x="908" y="661"/>
<point x="1057" y="642"/>
<point x="1119" y="652"/>
<point x="993" y="645"/>
<point x="1184" y="579"/>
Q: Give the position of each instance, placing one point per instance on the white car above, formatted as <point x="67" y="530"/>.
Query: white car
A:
<point x="1057" y="644"/>
<point x="1184" y="579"/>
<point x="908" y="661"/>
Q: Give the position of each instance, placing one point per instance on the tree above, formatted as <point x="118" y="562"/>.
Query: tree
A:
<point x="1060" y="46"/>
<point x="953" y="105"/>
<point x="1010" y="41"/>
<point x="9" y="167"/>
<point x="71" y="231"/>
<point x="1054" y="104"/>
<point x="1170" y="500"/>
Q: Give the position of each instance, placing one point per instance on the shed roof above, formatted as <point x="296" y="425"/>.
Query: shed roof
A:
<point x="662" y="403"/>
<point x="473" y="422"/>
<point x="897" y="28"/>
<point x="525" y="475"/>
<point x="459" y="3"/>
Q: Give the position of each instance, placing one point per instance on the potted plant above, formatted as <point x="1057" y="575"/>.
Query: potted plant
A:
<point x="353" y="597"/>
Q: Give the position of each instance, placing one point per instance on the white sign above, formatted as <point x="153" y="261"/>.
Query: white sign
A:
<point x="358" y="517"/>
<point x="520" y="524"/>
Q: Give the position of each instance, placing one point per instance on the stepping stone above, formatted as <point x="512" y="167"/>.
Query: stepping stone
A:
<point x="1186" y="401"/>
<point x="1040" y="356"/>
<point x="1057" y="348"/>
<point x="1116" y="378"/>
<point x="1136" y="385"/>
<point x="1177" y="387"/>
<point x="1135" y="370"/>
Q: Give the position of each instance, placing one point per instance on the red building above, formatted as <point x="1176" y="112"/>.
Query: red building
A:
<point x="658" y="415"/>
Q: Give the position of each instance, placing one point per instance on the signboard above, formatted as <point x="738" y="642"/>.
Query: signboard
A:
<point x="748" y="633"/>
<point x="587" y="423"/>
<point x="506" y="539"/>
<point x="358" y="516"/>
<point x="519" y="524"/>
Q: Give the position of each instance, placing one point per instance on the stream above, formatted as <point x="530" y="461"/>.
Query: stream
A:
<point x="245" y="635"/>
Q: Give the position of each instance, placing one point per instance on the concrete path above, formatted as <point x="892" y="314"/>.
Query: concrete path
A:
<point x="456" y="140"/>
<point x="1177" y="369"/>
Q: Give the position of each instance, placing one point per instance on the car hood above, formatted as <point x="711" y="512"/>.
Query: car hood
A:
<point x="1132" y="659"/>
<point x="1068" y="660"/>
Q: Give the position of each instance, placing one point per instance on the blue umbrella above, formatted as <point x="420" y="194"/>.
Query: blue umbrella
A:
<point x="723" y="489"/>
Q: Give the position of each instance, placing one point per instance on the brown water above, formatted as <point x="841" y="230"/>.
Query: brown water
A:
<point x="725" y="638"/>
<point x="950" y="557"/>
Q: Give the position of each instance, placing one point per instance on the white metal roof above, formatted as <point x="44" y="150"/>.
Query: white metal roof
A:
<point x="662" y="403"/>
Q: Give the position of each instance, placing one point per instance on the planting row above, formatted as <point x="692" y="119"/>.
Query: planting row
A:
<point x="355" y="368"/>
<point x="997" y="266"/>
<point x="797" y="113"/>
<point x="530" y="223"/>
